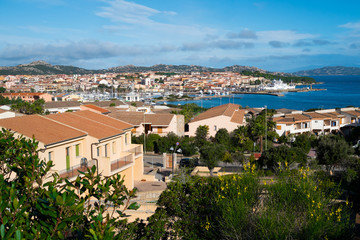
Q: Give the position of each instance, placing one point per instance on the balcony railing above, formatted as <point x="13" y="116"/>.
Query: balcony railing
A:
<point x="121" y="162"/>
<point x="74" y="170"/>
<point x="137" y="150"/>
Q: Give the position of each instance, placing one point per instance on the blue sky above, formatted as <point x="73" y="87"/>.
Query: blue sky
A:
<point x="275" y="35"/>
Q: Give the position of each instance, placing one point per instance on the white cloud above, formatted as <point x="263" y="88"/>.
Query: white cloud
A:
<point x="351" y="25"/>
<point x="128" y="12"/>
<point x="283" y="36"/>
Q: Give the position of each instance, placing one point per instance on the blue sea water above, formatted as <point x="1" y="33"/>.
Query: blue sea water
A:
<point x="342" y="91"/>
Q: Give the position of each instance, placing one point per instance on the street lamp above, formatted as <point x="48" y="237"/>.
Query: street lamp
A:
<point x="174" y="151"/>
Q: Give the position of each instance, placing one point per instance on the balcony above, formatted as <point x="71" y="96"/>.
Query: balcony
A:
<point x="73" y="171"/>
<point x="136" y="148"/>
<point x="121" y="162"/>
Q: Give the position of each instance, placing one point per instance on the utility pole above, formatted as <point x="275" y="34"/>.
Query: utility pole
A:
<point x="265" y="127"/>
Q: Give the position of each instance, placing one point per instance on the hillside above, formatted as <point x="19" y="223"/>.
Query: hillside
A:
<point x="330" y="71"/>
<point x="42" y="68"/>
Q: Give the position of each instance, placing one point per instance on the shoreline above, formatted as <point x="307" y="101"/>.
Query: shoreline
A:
<point x="279" y="93"/>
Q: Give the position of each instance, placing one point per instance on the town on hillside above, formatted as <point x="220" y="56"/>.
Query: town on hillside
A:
<point x="101" y="127"/>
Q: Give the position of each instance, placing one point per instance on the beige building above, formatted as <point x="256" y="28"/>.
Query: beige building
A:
<point x="74" y="141"/>
<point x="228" y="116"/>
<point x="29" y="97"/>
<point x="161" y="124"/>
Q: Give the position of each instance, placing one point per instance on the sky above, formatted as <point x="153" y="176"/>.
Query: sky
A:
<point x="276" y="35"/>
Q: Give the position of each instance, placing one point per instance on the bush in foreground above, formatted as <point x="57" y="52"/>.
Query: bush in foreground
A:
<point x="294" y="206"/>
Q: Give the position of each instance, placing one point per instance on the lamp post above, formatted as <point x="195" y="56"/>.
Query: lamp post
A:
<point x="174" y="151"/>
<point x="265" y="127"/>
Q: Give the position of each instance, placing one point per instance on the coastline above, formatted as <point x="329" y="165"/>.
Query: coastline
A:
<point x="278" y="93"/>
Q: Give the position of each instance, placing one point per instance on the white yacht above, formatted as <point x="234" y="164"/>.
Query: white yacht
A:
<point x="278" y="85"/>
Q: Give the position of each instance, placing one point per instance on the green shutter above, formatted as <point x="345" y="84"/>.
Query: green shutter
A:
<point x="67" y="162"/>
<point x="77" y="149"/>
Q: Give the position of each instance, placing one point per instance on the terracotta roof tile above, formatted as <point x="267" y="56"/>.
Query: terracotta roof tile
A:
<point x="62" y="104"/>
<point x="110" y="121"/>
<point x="137" y="118"/>
<point x="44" y="130"/>
<point x="292" y="118"/>
<point x="238" y="116"/>
<point x="315" y="115"/>
<point x="226" y="110"/>
<point x="354" y="113"/>
<point x="96" y="108"/>
<point x="93" y="128"/>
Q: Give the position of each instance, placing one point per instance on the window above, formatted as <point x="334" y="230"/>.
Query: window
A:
<point x="316" y="121"/>
<point x="278" y="127"/>
<point x="98" y="151"/>
<point x="106" y="150"/>
<point x="215" y="128"/>
<point x="126" y="140"/>
<point x="114" y="147"/>
<point x="77" y="150"/>
<point x="50" y="156"/>
<point x="68" y="158"/>
<point x="160" y="130"/>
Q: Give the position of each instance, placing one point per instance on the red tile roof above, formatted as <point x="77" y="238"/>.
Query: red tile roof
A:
<point x="44" y="130"/>
<point x="92" y="127"/>
<point x="225" y="110"/>
<point x="96" y="108"/>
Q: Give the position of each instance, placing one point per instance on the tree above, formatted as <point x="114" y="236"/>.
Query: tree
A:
<point x="211" y="155"/>
<point x="333" y="151"/>
<point x="34" y="207"/>
<point x="260" y="125"/>
<point x="222" y="137"/>
<point x="201" y="135"/>
<point x="37" y="107"/>
<point x="302" y="141"/>
<point x="282" y="155"/>
<point x="2" y="90"/>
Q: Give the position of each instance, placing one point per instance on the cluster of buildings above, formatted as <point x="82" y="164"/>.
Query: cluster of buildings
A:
<point x="288" y="122"/>
<point x="146" y="83"/>
<point x="77" y="140"/>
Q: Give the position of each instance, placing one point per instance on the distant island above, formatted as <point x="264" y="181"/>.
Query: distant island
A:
<point x="330" y="71"/>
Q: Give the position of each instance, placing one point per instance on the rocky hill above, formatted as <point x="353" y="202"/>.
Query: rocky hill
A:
<point x="330" y="71"/>
<point x="44" y="68"/>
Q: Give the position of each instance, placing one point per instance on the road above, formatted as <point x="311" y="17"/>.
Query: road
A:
<point x="153" y="160"/>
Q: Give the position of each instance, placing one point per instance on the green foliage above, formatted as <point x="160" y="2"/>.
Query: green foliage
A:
<point x="37" y="107"/>
<point x="222" y="136"/>
<point x="294" y="206"/>
<point x="5" y="100"/>
<point x="303" y="141"/>
<point x="282" y="154"/>
<point x="260" y="125"/>
<point x="165" y="143"/>
<point x="34" y="206"/>
<point x="201" y="136"/>
<point x="112" y="105"/>
<point x="286" y="79"/>
<point x="189" y="110"/>
<point x="211" y="155"/>
<point x="187" y="145"/>
<point x="2" y="90"/>
<point x="333" y="151"/>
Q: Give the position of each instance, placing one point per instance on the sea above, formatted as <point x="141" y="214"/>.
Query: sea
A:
<point x="341" y="91"/>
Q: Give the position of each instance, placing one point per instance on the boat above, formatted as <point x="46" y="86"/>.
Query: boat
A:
<point x="278" y="85"/>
